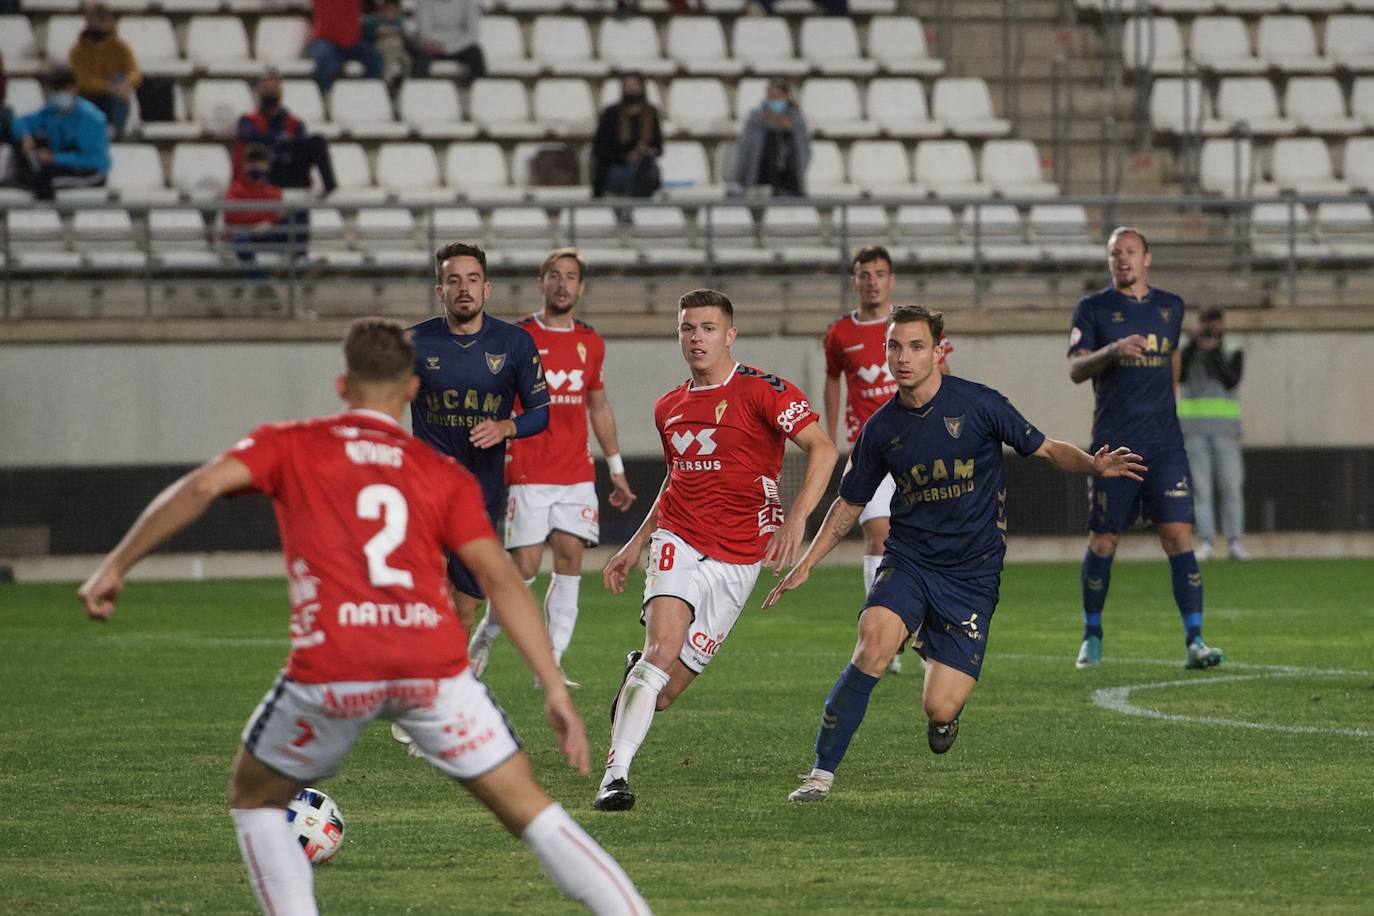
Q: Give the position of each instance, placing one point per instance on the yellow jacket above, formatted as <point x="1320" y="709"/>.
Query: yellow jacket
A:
<point x="94" y="62"/>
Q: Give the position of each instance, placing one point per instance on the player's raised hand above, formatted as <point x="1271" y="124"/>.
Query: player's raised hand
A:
<point x="568" y="729"/>
<point x="1131" y="346"/>
<point x="622" y="497"/>
<point x="1119" y="462"/>
<point x="786" y="542"/>
<point x="617" y="569"/>
<point x="796" y="577"/>
<point x="99" y="593"/>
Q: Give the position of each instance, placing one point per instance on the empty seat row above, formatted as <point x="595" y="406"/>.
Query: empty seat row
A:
<point x="518" y="7"/>
<point x="1314" y="104"/>
<point x="1239" y="7"/>
<point x="1341" y="231"/>
<point x="1222" y="43"/>
<point x="1299" y="164"/>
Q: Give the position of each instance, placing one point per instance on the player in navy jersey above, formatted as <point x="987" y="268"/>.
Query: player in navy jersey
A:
<point x="1126" y="339"/>
<point x="941" y="439"/>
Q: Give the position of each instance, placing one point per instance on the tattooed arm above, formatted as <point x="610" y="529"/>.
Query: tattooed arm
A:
<point x="838" y="522"/>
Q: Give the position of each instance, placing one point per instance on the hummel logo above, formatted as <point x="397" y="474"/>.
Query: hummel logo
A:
<point x="676" y="416"/>
<point x="853" y="347"/>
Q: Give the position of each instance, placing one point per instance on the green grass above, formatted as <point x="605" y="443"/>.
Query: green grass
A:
<point x="115" y="742"/>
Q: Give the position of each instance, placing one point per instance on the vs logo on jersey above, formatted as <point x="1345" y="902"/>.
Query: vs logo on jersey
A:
<point x="495" y="361"/>
<point x="558" y="378"/>
<point x="704" y="439"/>
<point x="871" y="374"/>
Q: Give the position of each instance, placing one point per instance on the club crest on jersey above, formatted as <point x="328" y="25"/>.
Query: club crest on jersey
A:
<point x="1164" y="313"/>
<point x="495" y="361"/>
<point x="1117" y="316"/>
<point x="720" y="409"/>
<point x="431" y="362"/>
<point x="955" y="425"/>
<point x="582" y="351"/>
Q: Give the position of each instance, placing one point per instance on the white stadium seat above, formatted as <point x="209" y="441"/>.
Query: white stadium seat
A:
<point x="947" y="168"/>
<point x="410" y="171"/>
<point x="825" y="173"/>
<point x="1012" y="168"/>
<point x="1347" y="228"/>
<point x="697" y="106"/>
<point x="1154" y="44"/>
<point x="503" y="46"/>
<point x="201" y="170"/>
<point x="1349" y="41"/>
<point x="563" y="46"/>
<point x="136" y="174"/>
<point x="388" y="236"/>
<point x="1229" y="167"/>
<point x="521" y="236"/>
<point x="354" y="174"/>
<point x="105" y="239"/>
<point x="459" y="222"/>
<point x="932" y="235"/>
<point x="36" y="240"/>
<point x="686" y="171"/>
<point x="796" y="233"/>
<point x="663" y="236"/>
<point x="431" y="109"/>
<point x="1303" y="165"/>
<point x="898" y="44"/>
<point x="1362" y="100"/>
<point x="965" y="107"/>
<point x="1357" y="164"/>
<point x="521" y="173"/>
<point x="764" y="46"/>
<point x="831" y="45"/>
<point x="478" y="171"/>
<point x="502" y="109"/>
<point x="880" y="169"/>
<point x="749" y="94"/>
<point x="1183" y="106"/>
<point x="1061" y="231"/>
<point x="19" y="46"/>
<point x="832" y="108"/>
<point x="731" y="236"/>
<point x="1289" y="43"/>
<point x="1318" y="105"/>
<point x="1221" y="43"/>
<point x="897" y="105"/>
<point x="61" y="34"/>
<point x="697" y="44"/>
<point x="1279" y="231"/>
<point x="998" y="234"/>
<point x="154" y="46"/>
<point x="302" y="98"/>
<point x="177" y="239"/>
<point x="866" y="222"/>
<point x="279" y="41"/>
<point x="595" y="231"/>
<point x="218" y="104"/>
<point x="632" y="44"/>
<point x="219" y="45"/>
<point x="24" y="94"/>
<point x="565" y="107"/>
<point x="610" y="93"/>
<point x="362" y="108"/>
<point x="1252" y="99"/>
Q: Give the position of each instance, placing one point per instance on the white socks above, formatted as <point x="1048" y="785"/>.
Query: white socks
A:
<point x="580" y="867"/>
<point x="560" y="612"/>
<point x="870" y="570"/>
<point x="277" y="866"/>
<point x="633" y="716"/>
<point x="487" y="630"/>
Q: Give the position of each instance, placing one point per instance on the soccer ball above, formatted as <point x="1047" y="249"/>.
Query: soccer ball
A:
<point x="317" y="823"/>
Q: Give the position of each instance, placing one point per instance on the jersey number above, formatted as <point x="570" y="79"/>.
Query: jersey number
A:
<point x="666" y="553"/>
<point x="384" y="501"/>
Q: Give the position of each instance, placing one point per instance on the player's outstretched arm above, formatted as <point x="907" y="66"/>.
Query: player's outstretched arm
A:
<point x="602" y="419"/>
<point x="1086" y="364"/>
<point x="1106" y="462"/>
<point x="617" y="569"/>
<point x="839" y="519"/>
<point x="820" y="462"/>
<point x="171" y="510"/>
<point x="523" y="622"/>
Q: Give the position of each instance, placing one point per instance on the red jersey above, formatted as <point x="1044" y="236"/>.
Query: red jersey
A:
<point x="338" y="21"/>
<point x="365" y="513"/>
<point x="724" y="446"/>
<point x="572" y="359"/>
<point x="857" y="350"/>
<point x="243" y="189"/>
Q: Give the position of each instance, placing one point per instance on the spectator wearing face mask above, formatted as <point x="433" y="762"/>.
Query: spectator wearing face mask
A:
<point x="253" y="231"/>
<point x="628" y="142"/>
<point x="104" y="66"/>
<point x="64" y="144"/>
<point x="774" y="147"/>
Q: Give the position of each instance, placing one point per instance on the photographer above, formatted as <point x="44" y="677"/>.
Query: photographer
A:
<point x="1209" y="412"/>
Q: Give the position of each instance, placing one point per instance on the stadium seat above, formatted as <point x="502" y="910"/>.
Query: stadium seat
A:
<point x="749" y="94"/>
<point x="177" y="238"/>
<point x="1280" y="231"/>
<point x="105" y="239"/>
<point x="329" y="240"/>
<point x="36" y="239"/>
<point x="501" y="108"/>
<point x="1362" y="100"/>
<point x="182" y="128"/>
<point x="191" y="6"/>
<point x="136" y="174"/>
<point x="388" y="236"/>
<point x="831" y="45"/>
<point x="1289" y="43"/>
<point x="1166" y="7"/>
<point x="998" y="235"/>
<point x="1349" y="41"/>
<point x="562" y="45"/>
<point x="832" y="108"/>
<point x="964" y="106"/>
<point x="521" y="162"/>
<point x="219" y="46"/>
<point x="279" y="41"/>
<point x="1251" y="99"/>
<point x="1153" y="44"/>
<point x="154" y="46"/>
<point x="565" y="107"/>
<point x="1347" y="229"/>
<point x="1357" y="164"/>
<point x="932" y="235"/>
<point x="697" y="44"/>
<point x="410" y="172"/>
<point x="1061" y="231"/>
<point x="595" y="232"/>
<point x="201" y="170"/>
<point x="631" y="44"/>
<point x="898" y="44"/>
<point x="697" y="106"/>
<point x="1303" y="164"/>
<point x="362" y="109"/>
<point x="663" y="237"/>
<point x="24" y="95"/>
<point x="686" y="171"/>
<point x="430" y="108"/>
<point x="520" y="236"/>
<point x="897" y="105"/>
<point x="947" y="168"/>
<point x="861" y="223"/>
<point x="19" y="46"/>
<point x="610" y="93"/>
<point x="1221" y="43"/>
<point x="880" y="169"/>
<point x="354" y="175"/>
<point x="764" y="46"/>
<point x="1012" y="168"/>
<point x="825" y="172"/>
<point x="1318" y="105"/>
<point x="533" y="6"/>
<point x="1183" y="106"/>
<point x="218" y="104"/>
<point x="796" y="234"/>
<point x="458" y="223"/>
<point x="302" y="98"/>
<point x="503" y="46"/>
<point x="1228" y="166"/>
<point x="60" y="35"/>
<point x="478" y="171"/>
<point x="730" y="236"/>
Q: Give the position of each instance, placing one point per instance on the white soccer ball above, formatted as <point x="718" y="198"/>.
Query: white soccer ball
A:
<point x="317" y="823"/>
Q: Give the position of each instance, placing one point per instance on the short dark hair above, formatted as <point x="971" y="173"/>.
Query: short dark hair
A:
<point x="256" y="152"/>
<point x="906" y="314"/>
<point x="1130" y="230"/>
<point x="458" y="250"/>
<point x="60" y="78"/>
<point x="871" y="253"/>
<point x="707" y="298"/>
<point x="378" y="350"/>
<point x="1212" y="313"/>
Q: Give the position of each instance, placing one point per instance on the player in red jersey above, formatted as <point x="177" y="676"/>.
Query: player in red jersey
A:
<point x="365" y="512"/>
<point x="856" y="349"/>
<point x="717" y="519"/>
<point x="552" y="481"/>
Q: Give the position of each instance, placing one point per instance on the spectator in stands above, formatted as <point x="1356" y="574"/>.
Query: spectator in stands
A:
<point x="765" y="7"/>
<point x="105" y="69"/>
<point x="628" y="142"/>
<point x="64" y="144"/>
<point x="252" y="231"/>
<point x="6" y="118"/>
<point x="338" y="37"/>
<point x="448" y="30"/>
<point x="774" y="148"/>
<point x="386" y="30"/>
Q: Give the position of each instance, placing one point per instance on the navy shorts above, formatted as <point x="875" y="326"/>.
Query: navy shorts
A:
<point x="948" y="617"/>
<point x="462" y="578"/>
<point x="1165" y="495"/>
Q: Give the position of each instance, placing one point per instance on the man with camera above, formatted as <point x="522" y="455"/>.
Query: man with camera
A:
<point x="1209" y="411"/>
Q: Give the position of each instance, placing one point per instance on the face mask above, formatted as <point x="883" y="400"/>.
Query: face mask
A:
<point x="777" y="106"/>
<point x="632" y="98"/>
<point x="269" y="102"/>
<point x="64" y="100"/>
<point x="257" y="174"/>
<point x="94" y="34"/>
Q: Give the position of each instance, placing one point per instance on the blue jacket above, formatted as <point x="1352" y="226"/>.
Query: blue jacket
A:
<point x="77" y="138"/>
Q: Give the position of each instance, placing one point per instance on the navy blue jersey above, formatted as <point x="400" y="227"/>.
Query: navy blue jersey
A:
<point x="1135" y="397"/>
<point x="949" y="512"/>
<point x="468" y="378"/>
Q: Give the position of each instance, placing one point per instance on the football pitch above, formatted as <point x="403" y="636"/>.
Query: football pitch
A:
<point x="1136" y="788"/>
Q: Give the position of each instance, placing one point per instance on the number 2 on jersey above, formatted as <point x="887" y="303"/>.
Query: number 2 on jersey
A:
<point x="380" y="500"/>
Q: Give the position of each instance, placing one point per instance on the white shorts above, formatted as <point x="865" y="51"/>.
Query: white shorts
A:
<point x="715" y="591"/>
<point x="306" y="730"/>
<point x="535" y="509"/>
<point x="880" y="506"/>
